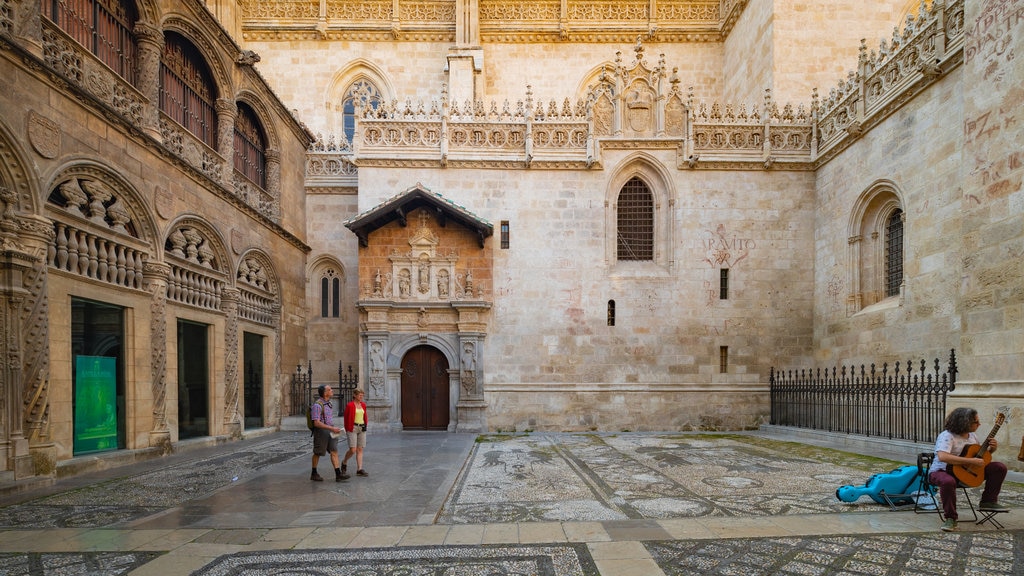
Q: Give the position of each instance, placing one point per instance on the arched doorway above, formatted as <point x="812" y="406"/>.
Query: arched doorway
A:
<point x="425" y="397"/>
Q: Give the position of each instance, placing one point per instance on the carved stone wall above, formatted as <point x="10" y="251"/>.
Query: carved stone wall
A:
<point x="425" y="284"/>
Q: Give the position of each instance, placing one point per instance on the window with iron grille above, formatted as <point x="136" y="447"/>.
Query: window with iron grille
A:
<point x="187" y="91"/>
<point x="894" y="254"/>
<point x="635" y="221"/>
<point x="104" y="27"/>
<point x="250" y="146"/>
<point x="723" y="284"/>
<point x="504" y="235"/>
<point x="723" y="359"/>
<point x="611" y="312"/>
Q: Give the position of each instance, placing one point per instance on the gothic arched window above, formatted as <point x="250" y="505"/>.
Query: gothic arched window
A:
<point x="364" y="93"/>
<point x="330" y="294"/>
<point x="187" y="91"/>
<point x="104" y="27"/>
<point x="250" y="146"/>
<point x="894" y="253"/>
<point x="635" y="222"/>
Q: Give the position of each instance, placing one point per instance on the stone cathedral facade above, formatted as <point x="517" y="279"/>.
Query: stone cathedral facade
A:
<point x="551" y="215"/>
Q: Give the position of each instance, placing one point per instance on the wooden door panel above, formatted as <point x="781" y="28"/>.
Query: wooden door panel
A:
<point x="439" y="393"/>
<point x="412" y="400"/>
<point x="425" y="397"/>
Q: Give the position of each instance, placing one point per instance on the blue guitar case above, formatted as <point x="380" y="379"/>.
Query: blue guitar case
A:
<point x="899" y="481"/>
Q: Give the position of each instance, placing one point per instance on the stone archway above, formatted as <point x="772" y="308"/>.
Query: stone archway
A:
<point x="424" y="389"/>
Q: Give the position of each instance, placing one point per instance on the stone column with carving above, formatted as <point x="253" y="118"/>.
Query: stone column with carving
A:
<point x="229" y="305"/>
<point x="273" y="417"/>
<point x="273" y="158"/>
<point x="156" y="275"/>
<point x="23" y="20"/>
<point x="378" y="402"/>
<point x="471" y="407"/>
<point x="150" y="41"/>
<point x="227" y="111"/>
<point x="26" y="339"/>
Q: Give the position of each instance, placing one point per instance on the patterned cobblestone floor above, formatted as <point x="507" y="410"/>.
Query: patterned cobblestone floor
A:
<point x="551" y="504"/>
<point x="939" y="554"/>
<point x="569" y="477"/>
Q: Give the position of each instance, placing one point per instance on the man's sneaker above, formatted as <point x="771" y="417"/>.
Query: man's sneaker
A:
<point x="315" y="477"/>
<point x="362" y="473"/>
<point x="341" y="477"/>
<point x="949" y="525"/>
<point x="992" y="507"/>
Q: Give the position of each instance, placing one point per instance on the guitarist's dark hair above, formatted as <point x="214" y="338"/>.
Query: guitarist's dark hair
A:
<point x="960" y="420"/>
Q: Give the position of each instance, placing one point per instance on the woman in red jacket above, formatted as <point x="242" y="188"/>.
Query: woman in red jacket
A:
<point x="355" y="430"/>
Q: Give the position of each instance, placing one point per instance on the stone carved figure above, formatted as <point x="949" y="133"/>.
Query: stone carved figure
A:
<point x="424" y="276"/>
<point x="377" y="285"/>
<point x="443" y="284"/>
<point x="404" y="283"/>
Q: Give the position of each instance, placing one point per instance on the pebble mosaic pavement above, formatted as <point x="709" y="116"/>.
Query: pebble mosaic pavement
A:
<point x="611" y="478"/>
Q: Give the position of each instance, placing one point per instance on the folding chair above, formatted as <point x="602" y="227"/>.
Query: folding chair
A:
<point x="924" y="462"/>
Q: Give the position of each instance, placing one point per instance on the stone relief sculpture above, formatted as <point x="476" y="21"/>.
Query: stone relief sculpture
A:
<point x="376" y="369"/>
<point x="468" y="368"/>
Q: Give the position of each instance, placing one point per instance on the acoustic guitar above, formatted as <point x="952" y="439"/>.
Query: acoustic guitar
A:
<point x="973" y="476"/>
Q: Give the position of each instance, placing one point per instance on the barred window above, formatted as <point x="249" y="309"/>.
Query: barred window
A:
<point x="894" y="253"/>
<point x="187" y="91"/>
<point x="364" y="93"/>
<point x="104" y="27"/>
<point x="250" y="146"/>
<point x="635" y="221"/>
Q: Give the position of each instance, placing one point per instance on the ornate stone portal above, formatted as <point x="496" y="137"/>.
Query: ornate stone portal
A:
<point x="424" y="288"/>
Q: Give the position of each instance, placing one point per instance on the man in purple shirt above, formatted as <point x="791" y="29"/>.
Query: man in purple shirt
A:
<point x="325" y="433"/>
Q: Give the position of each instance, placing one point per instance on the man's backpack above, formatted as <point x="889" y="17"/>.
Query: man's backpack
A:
<point x="309" y="416"/>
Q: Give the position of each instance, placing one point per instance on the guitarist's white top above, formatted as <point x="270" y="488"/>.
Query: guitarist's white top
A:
<point x="953" y="444"/>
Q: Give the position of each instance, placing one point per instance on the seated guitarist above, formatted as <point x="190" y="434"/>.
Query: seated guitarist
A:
<point x="959" y="433"/>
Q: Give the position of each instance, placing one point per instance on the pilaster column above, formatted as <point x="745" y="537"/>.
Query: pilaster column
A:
<point x="25" y="340"/>
<point x="26" y="17"/>
<point x="150" y="42"/>
<point x="273" y="159"/>
<point x="227" y="111"/>
<point x="157" y="274"/>
<point x="229" y="299"/>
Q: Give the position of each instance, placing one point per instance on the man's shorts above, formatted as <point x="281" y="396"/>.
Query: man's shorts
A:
<point x="323" y="442"/>
<point x="356" y="438"/>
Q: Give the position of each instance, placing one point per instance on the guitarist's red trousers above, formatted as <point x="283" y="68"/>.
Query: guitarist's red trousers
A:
<point x="995" y="473"/>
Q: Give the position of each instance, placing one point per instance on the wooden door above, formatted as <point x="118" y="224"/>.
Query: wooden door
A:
<point x="425" y="399"/>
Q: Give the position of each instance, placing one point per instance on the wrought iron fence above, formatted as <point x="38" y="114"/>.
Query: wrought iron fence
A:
<point x="907" y="402"/>
<point x="304" y="391"/>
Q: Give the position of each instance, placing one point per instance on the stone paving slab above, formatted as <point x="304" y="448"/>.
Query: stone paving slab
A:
<point x="539" y="560"/>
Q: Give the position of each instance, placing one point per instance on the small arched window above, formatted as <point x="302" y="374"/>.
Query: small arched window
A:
<point x="894" y="253"/>
<point x="187" y="90"/>
<point x="635" y="222"/>
<point x="364" y="93"/>
<point x="875" y="246"/>
<point x="250" y="146"/>
<point x="104" y="27"/>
